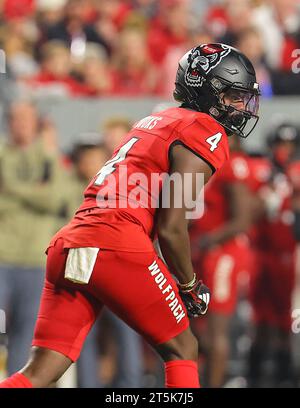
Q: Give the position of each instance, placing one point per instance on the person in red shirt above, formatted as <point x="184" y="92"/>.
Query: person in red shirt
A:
<point x="95" y="72"/>
<point x="54" y="78"/>
<point x="170" y="28"/>
<point x="105" y="255"/>
<point x="272" y="282"/>
<point x="111" y="18"/>
<point x="18" y="9"/>
<point x="134" y="72"/>
<point x="221" y="253"/>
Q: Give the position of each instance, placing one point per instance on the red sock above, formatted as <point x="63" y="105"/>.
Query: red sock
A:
<point x="17" y="380"/>
<point x="181" y="374"/>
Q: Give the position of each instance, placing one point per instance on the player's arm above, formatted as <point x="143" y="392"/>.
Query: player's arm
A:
<point x="172" y="223"/>
<point x="241" y="206"/>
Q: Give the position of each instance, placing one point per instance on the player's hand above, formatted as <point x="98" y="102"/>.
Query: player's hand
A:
<point x="196" y="299"/>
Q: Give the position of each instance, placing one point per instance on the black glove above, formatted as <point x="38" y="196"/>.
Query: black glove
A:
<point x="196" y="299"/>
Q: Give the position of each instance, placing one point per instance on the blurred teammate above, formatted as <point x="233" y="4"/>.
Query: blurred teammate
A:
<point x="293" y="173"/>
<point x="221" y="253"/>
<point x="105" y="254"/>
<point x="272" y="282"/>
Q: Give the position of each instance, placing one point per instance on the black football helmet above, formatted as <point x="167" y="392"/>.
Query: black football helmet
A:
<point x="211" y="72"/>
<point x="284" y="132"/>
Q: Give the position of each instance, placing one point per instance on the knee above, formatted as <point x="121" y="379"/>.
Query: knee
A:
<point x="45" y="367"/>
<point x="183" y="347"/>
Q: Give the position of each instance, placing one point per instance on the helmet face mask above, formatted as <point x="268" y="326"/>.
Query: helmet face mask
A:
<point x="239" y="111"/>
<point x="220" y="81"/>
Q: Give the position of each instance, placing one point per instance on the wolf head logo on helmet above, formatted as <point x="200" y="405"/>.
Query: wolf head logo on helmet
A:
<point x="211" y="74"/>
<point x="205" y="57"/>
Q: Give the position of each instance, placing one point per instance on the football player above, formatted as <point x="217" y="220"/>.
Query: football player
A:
<point x="105" y="255"/>
<point x="272" y="282"/>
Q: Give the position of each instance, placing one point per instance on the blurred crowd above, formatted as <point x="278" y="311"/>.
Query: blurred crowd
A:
<point x="94" y="48"/>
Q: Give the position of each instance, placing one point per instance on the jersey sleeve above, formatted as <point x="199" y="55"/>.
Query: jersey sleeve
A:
<point x="235" y="170"/>
<point x="207" y="139"/>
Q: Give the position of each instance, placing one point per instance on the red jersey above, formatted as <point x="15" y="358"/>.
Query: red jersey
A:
<point x="124" y="194"/>
<point x="46" y="82"/>
<point x="275" y="229"/>
<point x="259" y="172"/>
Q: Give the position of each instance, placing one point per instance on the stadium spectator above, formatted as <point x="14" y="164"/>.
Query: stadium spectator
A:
<point x="239" y="18"/>
<point x="113" y="131"/>
<point x="169" y="28"/>
<point x="73" y="29"/>
<point x="166" y="25"/>
<point x="114" y="10"/>
<point x="250" y="43"/>
<point x="95" y="72"/>
<point x="134" y="73"/>
<point x="49" y="13"/>
<point x="29" y="206"/>
<point x="111" y="18"/>
<point x="279" y="24"/>
<point x="17" y="9"/>
<point x="146" y="8"/>
<point x="19" y="51"/>
<point x="169" y="65"/>
<point x="54" y="78"/>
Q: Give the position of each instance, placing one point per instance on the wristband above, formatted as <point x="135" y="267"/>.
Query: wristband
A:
<point x="188" y="286"/>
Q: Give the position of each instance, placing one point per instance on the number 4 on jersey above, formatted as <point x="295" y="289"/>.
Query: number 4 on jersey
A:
<point x="213" y="141"/>
<point x="109" y="166"/>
